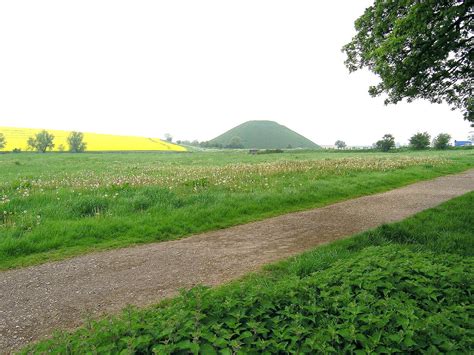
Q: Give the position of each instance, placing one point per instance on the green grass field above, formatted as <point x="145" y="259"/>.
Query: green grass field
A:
<point x="54" y="206"/>
<point x="402" y="288"/>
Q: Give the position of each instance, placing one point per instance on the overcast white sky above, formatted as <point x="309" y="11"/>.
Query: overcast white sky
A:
<point x="195" y="69"/>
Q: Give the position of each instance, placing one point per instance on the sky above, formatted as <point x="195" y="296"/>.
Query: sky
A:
<point x="195" y="69"/>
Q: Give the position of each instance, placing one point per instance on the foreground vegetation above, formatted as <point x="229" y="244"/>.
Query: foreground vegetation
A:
<point x="56" y="205"/>
<point x="404" y="287"/>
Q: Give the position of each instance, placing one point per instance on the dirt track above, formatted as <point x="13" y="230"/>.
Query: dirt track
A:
<point x="36" y="300"/>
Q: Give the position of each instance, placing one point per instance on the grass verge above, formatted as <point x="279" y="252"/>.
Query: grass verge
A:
<point x="403" y="287"/>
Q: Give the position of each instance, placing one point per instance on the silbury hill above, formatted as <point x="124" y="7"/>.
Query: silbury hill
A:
<point x="263" y="135"/>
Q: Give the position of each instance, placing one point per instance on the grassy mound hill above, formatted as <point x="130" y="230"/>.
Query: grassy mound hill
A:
<point x="264" y="135"/>
<point x="17" y="138"/>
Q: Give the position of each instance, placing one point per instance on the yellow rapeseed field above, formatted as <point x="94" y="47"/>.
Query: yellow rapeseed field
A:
<point x="17" y="137"/>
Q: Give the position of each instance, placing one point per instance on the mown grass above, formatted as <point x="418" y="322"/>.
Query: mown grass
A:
<point x="401" y="288"/>
<point x="57" y="205"/>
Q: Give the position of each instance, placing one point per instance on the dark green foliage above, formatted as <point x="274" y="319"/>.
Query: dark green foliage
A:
<point x="441" y="141"/>
<point x="388" y="290"/>
<point x="420" y="49"/>
<point x="88" y="206"/>
<point x="76" y="142"/>
<point x="340" y="144"/>
<point x="263" y="135"/>
<point x="160" y="198"/>
<point x="208" y="144"/>
<point x="420" y="141"/>
<point x="373" y="302"/>
<point x="386" y="143"/>
<point x="142" y="202"/>
<point x="41" y="142"/>
<point x="235" y="143"/>
<point x="3" y="141"/>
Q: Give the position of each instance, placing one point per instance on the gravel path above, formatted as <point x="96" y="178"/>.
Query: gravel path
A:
<point x="36" y="300"/>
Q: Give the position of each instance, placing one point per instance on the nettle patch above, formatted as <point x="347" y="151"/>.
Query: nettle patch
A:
<point x="385" y="299"/>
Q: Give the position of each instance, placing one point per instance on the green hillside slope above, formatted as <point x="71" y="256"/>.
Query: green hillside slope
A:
<point x="264" y="135"/>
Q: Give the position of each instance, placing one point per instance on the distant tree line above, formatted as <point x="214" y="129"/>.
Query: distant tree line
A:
<point x="419" y="141"/>
<point x="234" y="143"/>
<point x="44" y="141"/>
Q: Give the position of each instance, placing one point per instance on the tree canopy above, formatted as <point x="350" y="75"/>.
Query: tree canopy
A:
<point x="441" y="141"/>
<point x="420" y="140"/>
<point x="419" y="49"/>
<point x="3" y="141"/>
<point x="41" y="142"/>
<point x="386" y="143"/>
<point x="340" y="144"/>
<point x="76" y="142"/>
